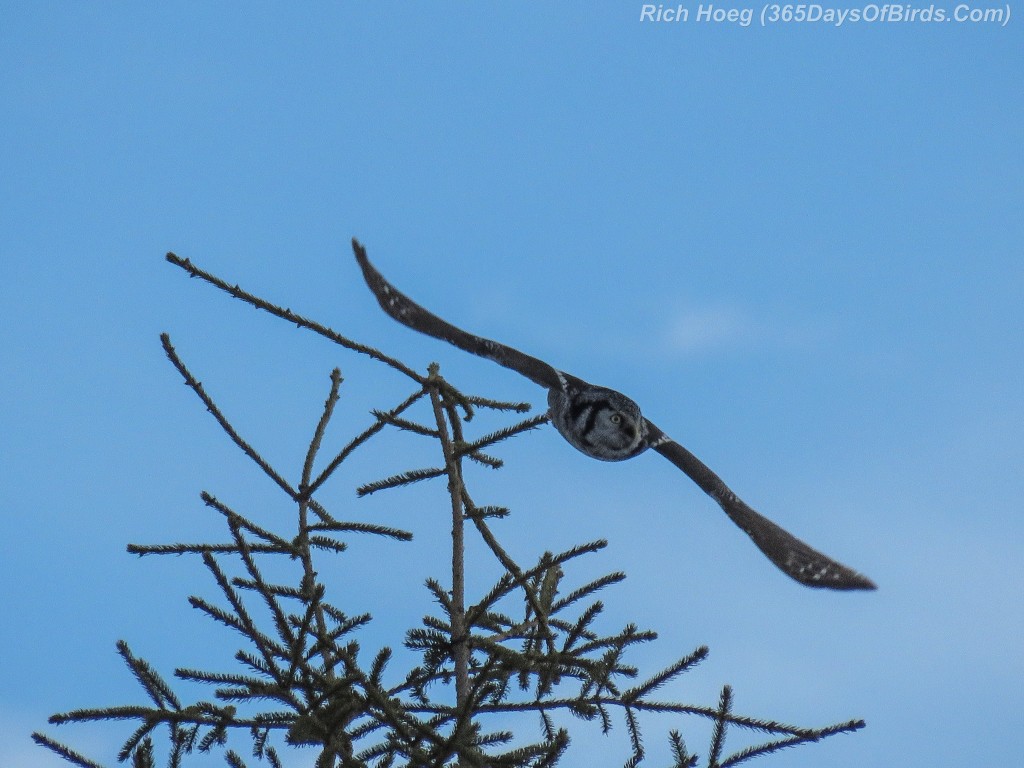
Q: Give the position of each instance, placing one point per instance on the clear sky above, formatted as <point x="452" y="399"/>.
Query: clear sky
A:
<point x="797" y="246"/>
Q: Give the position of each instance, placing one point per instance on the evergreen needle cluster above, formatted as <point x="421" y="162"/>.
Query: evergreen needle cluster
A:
<point x="532" y="645"/>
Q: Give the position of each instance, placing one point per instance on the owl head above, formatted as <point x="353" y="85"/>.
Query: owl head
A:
<point x="600" y="422"/>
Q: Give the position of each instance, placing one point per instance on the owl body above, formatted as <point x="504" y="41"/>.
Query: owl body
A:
<point x="600" y="422"/>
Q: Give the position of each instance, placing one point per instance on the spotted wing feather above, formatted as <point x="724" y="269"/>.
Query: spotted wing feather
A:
<point x="792" y="556"/>
<point x="409" y="313"/>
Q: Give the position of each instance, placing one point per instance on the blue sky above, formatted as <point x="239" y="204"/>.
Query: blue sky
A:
<point x="798" y="247"/>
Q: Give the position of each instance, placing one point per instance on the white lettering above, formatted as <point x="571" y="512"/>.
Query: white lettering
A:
<point x="661" y="14"/>
<point x="965" y="13"/>
<point x="709" y="13"/>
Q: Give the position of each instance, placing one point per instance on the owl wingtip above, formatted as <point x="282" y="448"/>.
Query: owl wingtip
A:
<point x="847" y="582"/>
<point x="854" y="580"/>
<point x="866" y="584"/>
<point x="373" y="278"/>
<point x="359" y="250"/>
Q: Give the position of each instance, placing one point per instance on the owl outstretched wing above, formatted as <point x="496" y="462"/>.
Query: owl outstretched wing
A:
<point x="792" y="556"/>
<point x="408" y="312"/>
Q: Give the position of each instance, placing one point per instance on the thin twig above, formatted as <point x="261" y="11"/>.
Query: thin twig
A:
<point x="361" y="438"/>
<point x="200" y="549"/>
<point x="292" y="317"/>
<point x="67" y="753"/>
<point x="318" y="434"/>
<point x="711" y="713"/>
<point x="302" y="540"/>
<point x="718" y="734"/>
<point x="212" y="502"/>
<point x="519" y="578"/>
<point x="247" y="449"/>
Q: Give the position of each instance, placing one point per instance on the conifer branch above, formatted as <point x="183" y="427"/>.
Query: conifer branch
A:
<point x="278" y="590"/>
<point x="519" y="579"/>
<point x="318" y="433"/>
<point x="456" y="488"/>
<point x="491" y="462"/>
<point x="635" y="737"/>
<point x="197" y="387"/>
<point x="139" y="740"/>
<point x="379" y="530"/>
<point x="361" y="438"/>
<point x="486" y="511"/>
<point x="271" y="538"/>
<point x="802" y="737"/>
<point x="498" y="405"/>
<point x="148" y="678"/>
<point x="280" y="620"/>
<point x="304" y="541"/>
<point x="721" y="723"/>
<point x="219" y="678"/>
<point x="402" y="478"/>
<point x="762" y="749"/>
<point x="66" y="752"/>
<point x="406" y="425"/>
<point x="588" y="589"/>
<point x="580" y="629"/>
<point x="292" y="317"/>
<point x="202" y="549"/>
<point x="502" y="434"/>
<point x="683" y="759"/>
<point x="243" y="622"/>
<point x="658" y="680"/>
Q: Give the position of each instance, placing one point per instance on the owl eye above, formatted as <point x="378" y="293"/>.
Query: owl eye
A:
<point x="616" y="418"/>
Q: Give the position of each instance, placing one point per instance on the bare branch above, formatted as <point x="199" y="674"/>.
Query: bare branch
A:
<point x="292" y="317"/>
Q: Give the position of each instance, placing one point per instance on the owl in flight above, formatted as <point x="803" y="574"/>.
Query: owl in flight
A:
<point x="607" y="425"/>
